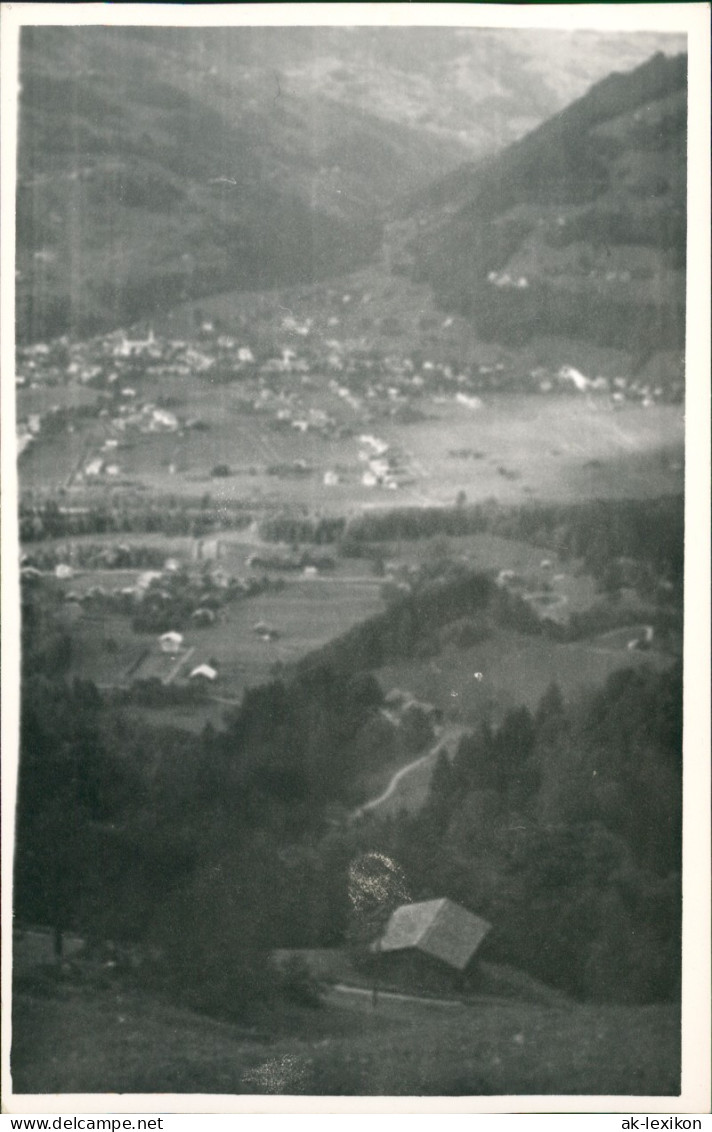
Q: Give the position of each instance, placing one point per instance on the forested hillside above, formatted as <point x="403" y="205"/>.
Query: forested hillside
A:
<point x="159" y="165"/>
<point x="576" y="231"/>
<point x="562" y="826"/>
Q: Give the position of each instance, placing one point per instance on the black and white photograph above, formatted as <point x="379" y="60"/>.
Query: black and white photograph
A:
<point x="349" y="379"/>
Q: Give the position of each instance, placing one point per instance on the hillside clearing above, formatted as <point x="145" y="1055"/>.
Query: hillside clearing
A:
<point x="515" y="669"/>
<point x="116" y="1040"/>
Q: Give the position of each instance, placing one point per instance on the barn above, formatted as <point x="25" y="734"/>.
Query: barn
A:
<point x="431" y="945"/>
<point x="171" y="643"/>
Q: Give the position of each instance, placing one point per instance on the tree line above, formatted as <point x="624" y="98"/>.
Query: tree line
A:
<point x="562" y="826"/>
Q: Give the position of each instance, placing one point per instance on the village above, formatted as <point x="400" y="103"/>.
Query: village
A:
<point x="299" y="380"/>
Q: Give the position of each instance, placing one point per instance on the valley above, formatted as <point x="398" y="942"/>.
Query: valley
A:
<point x="350" y="432"/>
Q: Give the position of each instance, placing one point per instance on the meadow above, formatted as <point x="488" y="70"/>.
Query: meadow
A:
<point x="510" y="669"/>
<point x="114" y="1038"/>
<point x="305" y="615"/>
<point x="546" y="448"/>
<point x="562" y="448"/>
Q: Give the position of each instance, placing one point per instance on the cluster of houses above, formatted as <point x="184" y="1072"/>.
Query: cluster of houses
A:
<point x="372" y="384"/>
<point x="386" y="466"/>
<point x="540" y="594"/>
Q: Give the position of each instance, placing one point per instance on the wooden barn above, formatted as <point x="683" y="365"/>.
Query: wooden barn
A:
<point x="430" y="946"/>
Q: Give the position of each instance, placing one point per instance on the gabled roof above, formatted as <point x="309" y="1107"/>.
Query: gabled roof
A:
<point x="440" y="928"/>
<point x="205" y="670"/>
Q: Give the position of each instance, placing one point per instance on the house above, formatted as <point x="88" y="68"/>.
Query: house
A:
<point x="468" y="402"/>
<point x="171" y="643"/>
<point x="642" y="644"/>
<point x="203" y="616"/>
<point x="204" y="672"/>
<point x="63" y="571"/>
<point x="163" y="420"/>
<point x="396" y="697"/>
<point x="552" y="611"/>
<point x="220" y="579"/>
<point x="265" y="631"/>
<point x="431" y="944"/>
<point x="146" y="579"/>
<point x="577" y="379"/>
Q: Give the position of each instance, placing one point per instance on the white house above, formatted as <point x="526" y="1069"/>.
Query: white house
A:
<point x="171" y="643"/>
<point x="568" y="373"/>
<point x="204" y="672"/>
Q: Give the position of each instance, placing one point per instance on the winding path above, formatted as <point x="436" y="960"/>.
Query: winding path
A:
<point x="414" y="793"/>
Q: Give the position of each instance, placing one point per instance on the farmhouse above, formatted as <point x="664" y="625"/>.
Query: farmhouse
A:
<point x="171" y="643"/>
<point x="203" y="616"/>
<point x="575" y="377"/>
<point x="163" y="420"/>
<point x="643" y="643"/>
<point x="264" y="631"/>
<point x="552" y="610"/>
<point x="146" y="579"/>
<point x="431" y="944"/>
<point x="204" y="672"/>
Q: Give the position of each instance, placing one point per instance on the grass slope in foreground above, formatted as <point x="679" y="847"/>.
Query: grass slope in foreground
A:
<point x="72" y="1038"/>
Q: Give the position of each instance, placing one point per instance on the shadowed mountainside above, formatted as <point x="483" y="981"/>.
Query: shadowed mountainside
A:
<point x="158" y="164"/>
<point x="576" y="231"/>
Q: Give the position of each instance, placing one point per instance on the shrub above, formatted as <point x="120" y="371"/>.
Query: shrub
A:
<point x="297" y="983"/>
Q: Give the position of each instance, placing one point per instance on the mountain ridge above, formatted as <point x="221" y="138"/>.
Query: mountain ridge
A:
<point x="578" y="230"/>
<point x="158" y="165"/>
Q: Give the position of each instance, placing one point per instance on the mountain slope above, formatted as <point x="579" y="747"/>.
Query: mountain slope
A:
<point x="481" y="87"/>
<point x="158" y="164"/>
<point x="145" y="178"/>
<point x="576" y="231"/>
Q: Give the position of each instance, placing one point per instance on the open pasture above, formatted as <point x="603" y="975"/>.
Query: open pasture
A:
<point x="305" y="615"/>
<point x="513" y="448"/>
<point x="50" y="462"/>
<point x="409" y="1048"/>
<point x="106" y="650"/>
<point x="40" y="398"/>
<point x="508" y="670"/>
<point x="537" y="567"/>
<point x="563" y="448"/>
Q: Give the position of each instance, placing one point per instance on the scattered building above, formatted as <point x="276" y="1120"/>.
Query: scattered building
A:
<point x="429" y="940"/>
<point x="204" y="672"/>
<point x="171" y="643"/>
<point x="203" y="617"/>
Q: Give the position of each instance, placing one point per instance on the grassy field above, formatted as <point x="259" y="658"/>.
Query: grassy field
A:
<point x="106" y="664"/>
<point x="515" y="669"/>
<point x="76" y="1038"/>
<point x="563" y="448"/>
<point x="305" y="614"/>
<point x="44" y="398"/>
